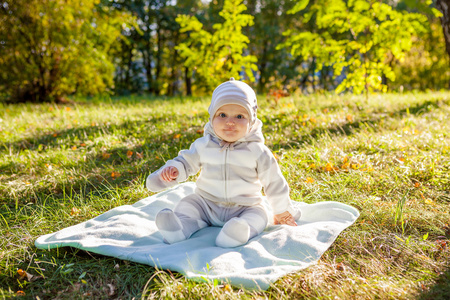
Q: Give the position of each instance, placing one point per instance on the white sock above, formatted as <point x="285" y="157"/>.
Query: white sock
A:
<point x="170" y="226"/>
<point x="235" y="232"/>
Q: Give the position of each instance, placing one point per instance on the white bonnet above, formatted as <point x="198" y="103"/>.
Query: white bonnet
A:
<point x="234" y="92"/>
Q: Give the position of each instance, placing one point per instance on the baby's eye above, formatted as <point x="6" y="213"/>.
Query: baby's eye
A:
<point x="240" y="116"/>
<point x="222" y="115"/>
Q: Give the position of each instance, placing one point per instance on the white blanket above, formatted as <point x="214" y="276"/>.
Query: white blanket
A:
<point x="128" y="232"/>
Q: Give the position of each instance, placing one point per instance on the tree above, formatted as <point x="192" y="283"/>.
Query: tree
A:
<point x="357" y="38"/>
<point x="426" y="65"/>
<point x="444" y="7"/>
<point x="54" y="48"/>
<point x="215" y="57"/>
<point x="276" y="67"/>
<point x="146" y="59"/>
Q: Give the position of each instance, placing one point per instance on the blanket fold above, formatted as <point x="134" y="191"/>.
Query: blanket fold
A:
<point x="129" y="232"/>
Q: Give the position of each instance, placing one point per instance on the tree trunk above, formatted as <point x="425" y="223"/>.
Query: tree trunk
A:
<point x="147" y="56"/>
<point x="444" y="7"/>
<point x="159" y="37"/>
<point x="187" y="79"/>
<point x="128" y="75"/>
<point x="313" y="73"/>
<point x="173" y="74"/>
<point x="262" y="69"/>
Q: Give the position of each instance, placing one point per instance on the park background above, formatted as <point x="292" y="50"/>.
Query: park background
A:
<point x="51" y="50"/>
<point x="94" y="95"/>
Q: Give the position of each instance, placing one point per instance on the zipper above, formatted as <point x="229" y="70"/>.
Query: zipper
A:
<point x="225" y="175"/>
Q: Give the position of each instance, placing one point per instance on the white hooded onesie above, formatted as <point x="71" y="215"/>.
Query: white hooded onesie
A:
<point x="228" y="190"/>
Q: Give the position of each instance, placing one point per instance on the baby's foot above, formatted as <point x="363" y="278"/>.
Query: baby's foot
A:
<point x="170" y="226"/>
<point x="235" y="232"/>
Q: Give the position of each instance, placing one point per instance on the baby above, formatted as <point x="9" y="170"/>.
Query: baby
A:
<point x="235" y="166"/>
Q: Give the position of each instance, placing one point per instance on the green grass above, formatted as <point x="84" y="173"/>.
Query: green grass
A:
<point x="388" y="156"/>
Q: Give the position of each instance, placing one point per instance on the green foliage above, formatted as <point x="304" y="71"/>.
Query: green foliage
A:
<point x="146" y="59"/>
<point x="276" y="67"/>
<point x="426" y="66"/>
<point x="217" y="56"/>
<point x="53" y="48"/>
<point x="358" y="38"/>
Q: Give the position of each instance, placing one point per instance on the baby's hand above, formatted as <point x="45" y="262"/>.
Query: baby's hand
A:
<point x="169" y="174"/>
<point x="284" y="218"/>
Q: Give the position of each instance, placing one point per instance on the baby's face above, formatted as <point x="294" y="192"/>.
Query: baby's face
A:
<point x="231" y="122"/>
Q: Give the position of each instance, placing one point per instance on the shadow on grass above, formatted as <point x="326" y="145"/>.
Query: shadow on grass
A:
<point x="72" y="266"/>
<point x="97" y="169"/>
<point x="440" y="290"/>
<point x="142" y="128"/>
<point x="349" y="128"/>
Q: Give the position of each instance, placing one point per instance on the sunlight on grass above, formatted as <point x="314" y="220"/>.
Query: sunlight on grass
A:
<point x="388" y="156"/>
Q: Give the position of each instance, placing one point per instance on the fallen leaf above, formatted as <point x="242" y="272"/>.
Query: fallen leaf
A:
<point x="309" y="180"/>
<point x="349" y="118"/>
<point x="139" y="155"/>
<point x="329" y="167"/>
<point x="177" y="136"/>
<point x="129" y="154"/>
<point x="109" y="289"/>
<point x="105" y="155"/>
<point x="345" y="166"/>
<point x="441" y="245"/>
<point x="23" y="275"/>
<point x="429" y="202"/>
<point x="356" y="166"/>
<point x="75" y="211"/>
<point x="340" y="267"/>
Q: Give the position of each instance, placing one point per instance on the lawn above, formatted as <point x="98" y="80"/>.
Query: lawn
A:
<point x="388" y="156"/>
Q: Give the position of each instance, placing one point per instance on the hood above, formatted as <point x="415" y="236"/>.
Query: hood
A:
<point x="254" y="135"/>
